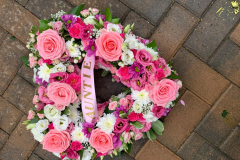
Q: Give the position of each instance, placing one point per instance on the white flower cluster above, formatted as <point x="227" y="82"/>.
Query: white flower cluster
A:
<point x="58" y="15"/>
<point x="107" y="122"/>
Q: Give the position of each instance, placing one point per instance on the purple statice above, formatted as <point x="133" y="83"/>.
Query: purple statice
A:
<point x="119" y="110"/>
<point x="99" y="15"/>
<point x="69" y="20"/>
<point x="136" y="70"/>
<point x="87" y="129"/>
<point x="166" y="111"/>
<point x="117" y="143"/>
<point x="91" y="48"/>
<point x="40" y="81"/>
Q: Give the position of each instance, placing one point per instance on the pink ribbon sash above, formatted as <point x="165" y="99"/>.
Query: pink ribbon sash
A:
<point x="88" y="95"/>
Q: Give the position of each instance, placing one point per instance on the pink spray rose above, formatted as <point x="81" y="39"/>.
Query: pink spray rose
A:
<point x="42" y="93"/>
<point x="123" y="102"/>
<point x="160" y="74"/>
<point x="94" y="11"/>
<point x="31" y="115"/>
<point x="164" y="92"/>
<point x="35" y="99"/>
<point x="143" y="57"/>
<point x="158" y="111"/>
<point x="138" y="136"/>
<point x="76" y="146"/>
<point x="126" y="136"/>
<point x="57" y="26"/>
<point x="40" y="106"/>
<point x="123" y="72"/>
<point x="50" y="45"/>
<point x="56" y="141"/>
<point x="109" y="46"/>
<point x="85" y="12"/>
<point x="112" y="105"/>
<point x="62" y="93"/>
<point x="74" y="81"/>
<point x="70" y="68"/>
<point x="101" y="141"/>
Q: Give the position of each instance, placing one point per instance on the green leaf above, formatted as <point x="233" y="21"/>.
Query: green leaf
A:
<point x="137" y="125"/>
<point x="120" y="155"/>
<point x="26" y="122"/>
<point x="34" y="29"/>
<point x="12" y="38"/>
<point x="66" y="111"/>
<point x="30" y="126"/>
<point x="152" y="45"/>
<point x="132" y="26"/>
<point x="107" y="111"/>
<point x="81" y="153"/>
<point x="76" y="11"/>
<point x="105" y="73"/>
<point x="173" y="76"/>
<point x="115" y="20"/>
<point x="34" y="120"/>
<point x="43" y="25"/>
<point x="129" y="147"/>
<point x="224" y="113"/>
<point x="115" y="99"/>
<point x="94" y="155"/>
<point x="126" y="28"/>
<point x="151" y="135"/>
<point x="100" y="21"/>
<point x="158" y="127"/>
<point x="41" y="112"/>
<point x="25" y="61"/>
<point x="108" y="15"/>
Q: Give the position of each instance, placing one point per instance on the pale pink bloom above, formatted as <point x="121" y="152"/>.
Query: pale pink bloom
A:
<point x="32" y="62"/>
<point x="126" y="136"/>
<point x="113" y="70"/>
<point x="31" y="115"/>
<point x="148" y="87"/>
<point x="41" y="116"/>
<point x="40" y="62"/>
<point x="112" y="105"/>
<point x="35" y="99"/>
<point x="85" y="12"/>
<point x="60" y="107"/>
<point x="123" y="101"/>
<point x="138" y="136"/>
<point x="57" y="26"/>
<point x="94" y="11"/>
<point x="70" y="68"/>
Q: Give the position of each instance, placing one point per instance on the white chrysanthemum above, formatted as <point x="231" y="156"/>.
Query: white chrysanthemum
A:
<point x="114" y="28"/>
<point x="74" y="114"/>
<point x="61" y="123"/>
<point x="169" y="104"/>
<point x="73" y="51"/>
<point x="151" y="51"/>
<point x="107" y="122"/>
<point x="44" y="72"/>
<point x="42" y="125"/>
<point x="150" y="117"/>
<point x="141" y="45"/>
<point x="137" y="106"/>
<point x="37" y="135"/>
<point x="75" y="105"/>
<point x="89" y="20"/>
<point x="128" y="57"/>
<point x="59" y="68"/>
<point x="78" y="135"/>
<point x="131" y="40"/>
<point x="141" y="96"/>
<point x="87" y="154"/>
<point x="51" y="112"/>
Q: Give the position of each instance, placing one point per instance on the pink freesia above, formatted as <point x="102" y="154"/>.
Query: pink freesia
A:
<point x="56" y="141"/>
<point x="50" y="45"/>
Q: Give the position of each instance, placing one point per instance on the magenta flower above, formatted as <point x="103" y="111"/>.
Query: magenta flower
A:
<point x="40" y="81"/>
<point x="91" y="48"/>
<point x="120" y="125"/>
<point x="58" y="77"/>
<point x="117" y="143"/>
<point x="74" y="81"/>
<point x="87" y="129"/>
<point x="69" y="20"/>
<point x="99" y="15"/>
<point x="76" y="146"/>
<point x="119" y="110"/>
<point x="71" y="154"/>
<point x="136" y="70"/>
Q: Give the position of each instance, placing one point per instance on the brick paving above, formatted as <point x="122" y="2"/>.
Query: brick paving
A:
<point x="204" y="46"/>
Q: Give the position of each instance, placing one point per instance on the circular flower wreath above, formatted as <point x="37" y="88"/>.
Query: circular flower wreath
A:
<point x="58" y="47"/>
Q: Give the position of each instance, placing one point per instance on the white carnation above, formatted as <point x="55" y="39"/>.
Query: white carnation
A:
<point x="51" y="112"/>
<point x="137" y="106"/>
<point x="42" y="125"/>
<point x="78" y="135"/>
<point x="89" y="20"/>
<point x="73" y="51"/>
<point x="128" y="57"/>
<point x="114" y="28"/>
<point x="150" y="117"/>
<point x="74" y="114"/>
<point x="59" y="68"/>
<point x="37" y="135"/>
<point x="61" y="123"/>
<point x="131" y="40"/>
<point x="44" y="72"/>
<point x="87" y="155"/>
<point x="107" y="122"/>
<point x="141" y="96"/>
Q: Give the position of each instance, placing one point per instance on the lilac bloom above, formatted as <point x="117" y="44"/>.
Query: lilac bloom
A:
<point x="99" y="15"/>
<point x="69" y="20"/>
<point x="40" y="81"/>
<point x="119" y="110"/>
<point x="136" y="69"/>
<point x="117" y="143"/>
<point x="166" y="111"/>
<point x="87" y="129"/>
<point x="91" y="48"/>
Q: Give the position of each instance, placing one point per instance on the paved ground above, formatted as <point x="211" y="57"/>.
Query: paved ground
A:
<point x="203" y="44"/>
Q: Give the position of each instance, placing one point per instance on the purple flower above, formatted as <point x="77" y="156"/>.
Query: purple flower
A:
<point x="99" y="15"/>
<point x="166" y="111"/>
<point x="136" y="70"/>
<point x="58" y="77"/>
<point x="119" y="110"/>
<point x="69" y="20"/>
<point x="40" y="81"/>
<point x="117" y="143"/>
<point x="91" y="48"/>
<point x="87" y="129"/>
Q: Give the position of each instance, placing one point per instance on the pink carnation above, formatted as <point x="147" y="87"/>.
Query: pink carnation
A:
<point x="76" y="146"/>
<point x="74" y="81"/>
<point x="123" y="102"/>
<point x="123" y="72"/>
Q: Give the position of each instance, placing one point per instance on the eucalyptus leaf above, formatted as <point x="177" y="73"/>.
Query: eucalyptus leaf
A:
<point x="108" y="15"/>
<point x="76" y="11"/>
<point x="137" y="125"/>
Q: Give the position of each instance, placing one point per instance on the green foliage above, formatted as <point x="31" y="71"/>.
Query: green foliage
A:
<point x="151" y="135"/>
<point x="26" y="122"/>
<point x="224" y="113"/>
<point x="12" y="38"/>
<point x="41" y="111"/>
<point x="80" y="152"/>
<point x="115" y="20"/>
<point x="105" y="73"/>
<point x="129" y="145"/>
<point x="66" y="111"/>
<point x="158" y="127"/>
<point x="173" y="76"/>
<point x="76" y="11"/>
<point x="34" y="29"/>
<point x="137" y="125"/>
<point x="152" y="45"/>
<point x="34" y="120"/>
<point x="24" y="59"/>
<point x="43" y="25"/>
<point x="108" y="15"/>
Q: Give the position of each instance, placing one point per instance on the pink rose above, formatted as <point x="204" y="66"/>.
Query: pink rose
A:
<point x="123" y="72"/>
<point x="56" y="141"/>
<point x="143" y="57"/>
<point x="160" y="74"/>
<point x="158" y="111"/>
<point x="32" y="62"/>
<point x="50" y="45"/>
<point x="109" y="46"/>
<point x="42" y="93"/>
<point x="35" y="99"/>
<point x="113" y="105"/>
<point x="167" y="71"/>
<point x="164" y="92"/>
<point x="94" y="11"/>
<point x="85" y="12"/>
<point x="57" y="26"/>
<point x="74" y="81"/>
<point x="71" y="154"/>
<point x="40" y="62"/>
<point x="123" y="102"/>
<point x="148" y="87"/>
<point x="60" y="107"/>
<point x="62" y="93"/>
<point x="138" y="136"/>
<point x="76" y="146"/>
<point x="41" y="116"/>
<point x="70" y="68"/>
<point x="31" y="115"/>
<point x="101" y="141"/>
<point x="126" y="136"/>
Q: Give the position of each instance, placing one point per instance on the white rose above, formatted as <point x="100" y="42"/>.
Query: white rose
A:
<point x="89" y="20"/>
<point x="128" y="57"/>
<point x="59" y="68"/>
<point x="42" y="125"/>
<point x="61" y="123"/>
<point x="37" y="135"/>
<point x="137" y="107"/>
<point x="151" y="51"/>
<point x="150" y="117"/>
<point x="51" y="112"/>
<point x="114" y="28"/>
